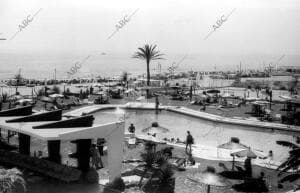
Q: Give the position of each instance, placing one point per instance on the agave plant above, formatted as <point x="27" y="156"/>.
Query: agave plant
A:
<point x="292" y="162"/>
<point x="166" y="179"/>
<point x="149" y="158"/>
<point x="148" y="53"/>
<point x="158" y="165"/>
<point x="10" y="179"/>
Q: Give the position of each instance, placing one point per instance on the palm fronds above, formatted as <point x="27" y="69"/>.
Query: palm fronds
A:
<point x="148" y="53"/>
<point x="292" y="162"/>
<point x="149" y="158"/>
<point x="9" y="179"/>
<point x="167" y="173"/>
<point x="290" y="178"/>
<point x="287" y="144"/>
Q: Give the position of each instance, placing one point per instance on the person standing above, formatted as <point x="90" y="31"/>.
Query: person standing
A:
<point x="189" y="142"/>
<point x="131" y="128"/>
<point x="96" y="159"/>
<point x="271" y="157"/>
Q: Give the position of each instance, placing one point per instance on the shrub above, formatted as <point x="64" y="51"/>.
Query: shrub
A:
<point x="117" y="184"/>
<point x="56" y="89"/>
<point x="167" y="173"/>
<point x="149" y="158"/>
<point x="11" y="180"/>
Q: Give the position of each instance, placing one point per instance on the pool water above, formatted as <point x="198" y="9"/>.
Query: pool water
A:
<point x="204" y="132"/>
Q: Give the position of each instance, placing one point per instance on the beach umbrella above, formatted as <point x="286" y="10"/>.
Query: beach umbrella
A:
<point x="46" y="99"/>
<point x="21" y="101"/>
<point x="285" y="97"/>
<point x="249" y="153"/>
<point x="210" y="179"/>
<point x="50" y="91"/>
<point x="56" y="96"/>
<point x="141" y="98"/>
<point x="233" y="146"/>
<point x="15" y="97"/>
<point x="213" y="91"/>
<point x="155" y="130"/>
<point x="150" y="138"/>
<point x="252" y="99"/>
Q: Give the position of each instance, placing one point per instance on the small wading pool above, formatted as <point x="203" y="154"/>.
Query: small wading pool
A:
<point x="204" y="132"/>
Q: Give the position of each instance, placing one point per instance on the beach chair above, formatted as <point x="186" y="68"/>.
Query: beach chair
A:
<point x="132" y="142"/>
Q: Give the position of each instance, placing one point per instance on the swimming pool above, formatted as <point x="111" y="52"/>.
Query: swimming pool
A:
<point x="204" y="132"/>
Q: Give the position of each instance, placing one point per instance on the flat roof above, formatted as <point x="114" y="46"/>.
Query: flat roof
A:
<point x="55" y="133"/>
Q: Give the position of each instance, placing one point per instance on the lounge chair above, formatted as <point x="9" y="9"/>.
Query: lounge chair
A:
<point x="178" y="163"/>
<point x="131" y="142"/>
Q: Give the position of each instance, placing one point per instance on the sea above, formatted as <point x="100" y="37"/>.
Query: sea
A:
<point x="47" y="65"/>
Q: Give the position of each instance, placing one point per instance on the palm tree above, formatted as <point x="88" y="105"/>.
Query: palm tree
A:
<point x="166" y="179"/>
<point x="149" y="159"/>
<point x="292" y="162"/>
<point x="11" y="180"/>
<point x="148" y="53"/>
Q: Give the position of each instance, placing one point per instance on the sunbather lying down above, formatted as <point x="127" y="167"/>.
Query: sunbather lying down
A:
<point x="182" y="163"/>
<point x="172" y="140"/>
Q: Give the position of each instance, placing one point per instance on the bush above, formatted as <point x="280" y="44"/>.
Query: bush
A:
<point x="149" y="158"/>
<point x="167" y="173"/>
<point x="11" y="180"/>
<point x="117" y="184"/>
<point x="56" y="89"/>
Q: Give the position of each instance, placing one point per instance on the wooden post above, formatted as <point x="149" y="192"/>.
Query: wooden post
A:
<point x="8" y="136"/>
<point x="156" y="104"/>
<point x="233" y="163"/>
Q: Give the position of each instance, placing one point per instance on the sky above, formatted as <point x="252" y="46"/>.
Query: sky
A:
<point x="175" y="26"/>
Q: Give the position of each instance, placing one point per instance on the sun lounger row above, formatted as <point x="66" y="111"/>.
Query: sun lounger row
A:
<point x="44" y="167"/>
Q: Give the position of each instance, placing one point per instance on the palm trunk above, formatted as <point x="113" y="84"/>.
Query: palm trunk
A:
<point x="143" y="175"/>
<point x="148" y="77"/>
